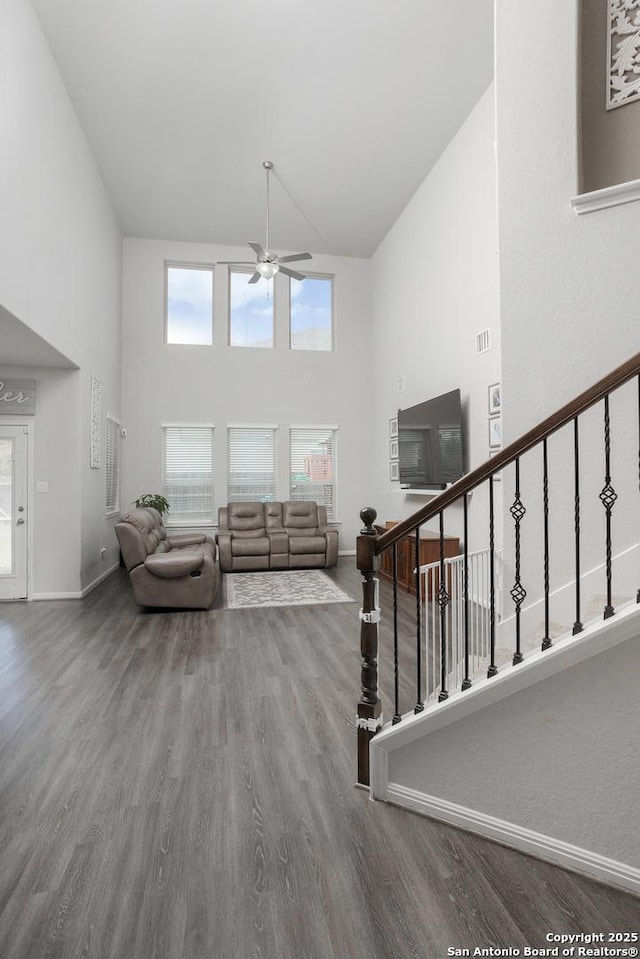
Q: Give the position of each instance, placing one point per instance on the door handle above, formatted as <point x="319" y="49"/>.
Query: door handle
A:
<point x="20" y="522"/>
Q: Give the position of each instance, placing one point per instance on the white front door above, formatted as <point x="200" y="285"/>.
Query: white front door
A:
<point x="13" y="511"/>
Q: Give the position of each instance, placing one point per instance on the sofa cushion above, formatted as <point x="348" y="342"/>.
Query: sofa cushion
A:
<point x="257" y="546"/>
<point x="299" y="516"/>
<point x="246" y="517"/>
<point x="307" y="544"/>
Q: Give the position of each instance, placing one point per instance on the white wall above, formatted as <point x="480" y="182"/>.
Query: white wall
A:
<point x="559" y="758"/>
<point x="223" y="384"/>
<point x="60" y="273"/>
<point x="435" y="287"/>
<point x="570" y="306"/>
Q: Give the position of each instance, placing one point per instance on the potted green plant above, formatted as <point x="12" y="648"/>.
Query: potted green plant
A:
<point x="155" y="500"/>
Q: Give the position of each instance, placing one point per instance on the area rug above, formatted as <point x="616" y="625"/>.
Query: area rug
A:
<point x="286" y="588"/>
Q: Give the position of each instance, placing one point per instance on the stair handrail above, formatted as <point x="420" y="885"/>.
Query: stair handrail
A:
<point x="566" y="414"/>
<point x="372" y="541"/>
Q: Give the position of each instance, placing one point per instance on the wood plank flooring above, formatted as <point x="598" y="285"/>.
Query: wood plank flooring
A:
<point x="179" y="785"/>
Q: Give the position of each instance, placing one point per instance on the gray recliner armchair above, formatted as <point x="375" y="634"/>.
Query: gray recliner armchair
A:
<point x="179" y="570"/>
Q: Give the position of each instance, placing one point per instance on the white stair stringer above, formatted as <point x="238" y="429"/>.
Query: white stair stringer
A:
<point x="433" y="762"/>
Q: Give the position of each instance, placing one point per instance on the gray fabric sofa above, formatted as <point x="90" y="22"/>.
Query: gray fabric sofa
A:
<point x="289" y="535"/>
<point x="179" y="570"/>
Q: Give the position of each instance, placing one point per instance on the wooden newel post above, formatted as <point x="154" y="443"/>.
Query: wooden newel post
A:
<point x="369" y="708"/>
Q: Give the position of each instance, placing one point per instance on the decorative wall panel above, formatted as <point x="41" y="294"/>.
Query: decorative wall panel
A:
<point x="623" y="53"/>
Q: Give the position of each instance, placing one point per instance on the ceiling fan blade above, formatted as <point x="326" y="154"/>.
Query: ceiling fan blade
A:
<point x="259" y="251"/>
<point x="287" y="272"/>
<point x="235" y="263"/>
<point x="295" y="256"/>
<point x="254" y="279"/>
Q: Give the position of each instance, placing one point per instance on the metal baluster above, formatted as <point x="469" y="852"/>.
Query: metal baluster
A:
<point x="608" y="496"/>
<point x="396" y="682"/>
<point x="546" y="642"/>
<point x="577" y="626"/>
<point x="466" y="682"/>
<point x="419" y="703"/>
<point x="443" y="602"/>
<point x="518" y="592"/>
<point x="493" y="669"/>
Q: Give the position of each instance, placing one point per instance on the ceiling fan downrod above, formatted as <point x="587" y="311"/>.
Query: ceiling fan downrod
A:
<point x="268" y="165"/>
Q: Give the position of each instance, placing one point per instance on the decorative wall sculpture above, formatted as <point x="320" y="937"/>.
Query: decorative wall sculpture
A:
<point x="96" y="405"/>
<point x="623" y="53"/>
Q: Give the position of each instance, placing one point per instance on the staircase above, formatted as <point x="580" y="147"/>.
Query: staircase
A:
<point x="524" y="721"/>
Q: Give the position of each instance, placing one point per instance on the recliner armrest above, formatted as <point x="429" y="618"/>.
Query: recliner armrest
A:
<point x="174" y="564"/>
<point x="180" y="540"/>
<point x="224" y="551"/>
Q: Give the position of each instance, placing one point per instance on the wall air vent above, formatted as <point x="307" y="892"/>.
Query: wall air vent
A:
<point x="483" y="342"/>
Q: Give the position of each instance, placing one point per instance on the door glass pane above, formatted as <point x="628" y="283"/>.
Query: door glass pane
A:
<point x="6" y="490"/>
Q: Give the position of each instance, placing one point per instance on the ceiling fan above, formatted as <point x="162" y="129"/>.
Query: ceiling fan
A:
<point x="268" y="263"/>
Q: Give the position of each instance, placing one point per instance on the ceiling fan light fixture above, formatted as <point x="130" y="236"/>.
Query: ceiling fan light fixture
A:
<point x="267" y="269"/>
<point x="268" y="263"/>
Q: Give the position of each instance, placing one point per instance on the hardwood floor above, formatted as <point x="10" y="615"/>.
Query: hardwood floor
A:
<point x="179" y="785"/>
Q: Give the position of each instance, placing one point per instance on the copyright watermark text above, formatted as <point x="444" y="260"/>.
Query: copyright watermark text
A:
<point x="580" y="945"/>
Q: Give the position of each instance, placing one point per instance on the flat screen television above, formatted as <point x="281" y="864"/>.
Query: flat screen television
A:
<point x="430" y="443"/>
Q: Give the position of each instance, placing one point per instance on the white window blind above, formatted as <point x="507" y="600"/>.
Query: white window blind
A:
<point x="252" y="464"/>
<point x="113" y="466"/>
<point x="188" y="474"/>
<point x="313" y="467"/>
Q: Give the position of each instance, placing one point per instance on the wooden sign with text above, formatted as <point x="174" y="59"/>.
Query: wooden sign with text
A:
<point x="17" y="396"/>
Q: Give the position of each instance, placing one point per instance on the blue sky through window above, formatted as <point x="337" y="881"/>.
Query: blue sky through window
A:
<point x="311" y="323"/>
<point x="250" y="311"/>
<point x="189" y="305"/>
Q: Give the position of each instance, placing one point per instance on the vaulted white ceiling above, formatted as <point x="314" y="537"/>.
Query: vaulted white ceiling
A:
<point x="352" y="100"/>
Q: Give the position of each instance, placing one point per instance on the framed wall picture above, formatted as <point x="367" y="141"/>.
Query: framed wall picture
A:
<point x="495" y="399"/>
<point x="394" y="473"/>
<point x="495" y="432"/>
<point x="393" y="450"/>
<point x="393" y="427"/>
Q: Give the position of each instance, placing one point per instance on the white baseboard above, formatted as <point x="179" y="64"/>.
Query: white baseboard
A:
<point x="96" y="582"/>
<point x="583" y="861"/>
<point x="36" y="597"/>
<point x="80" y="594"/>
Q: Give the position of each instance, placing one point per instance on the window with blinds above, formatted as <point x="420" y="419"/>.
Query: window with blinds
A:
<point x="188" y="474"/>
<point x="113" y="466"/>
<point x="313" y="466"/>
<point x="252" y="464"/>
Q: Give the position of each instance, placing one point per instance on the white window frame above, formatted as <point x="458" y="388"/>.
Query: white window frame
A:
<point x="315" y="276"/>
<point x="171" y="519"/>
<point x="332" y="509"/>
<point x="113" y="462"/>
<point x="186" y="265"/>
<point x="239" y="428"/>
